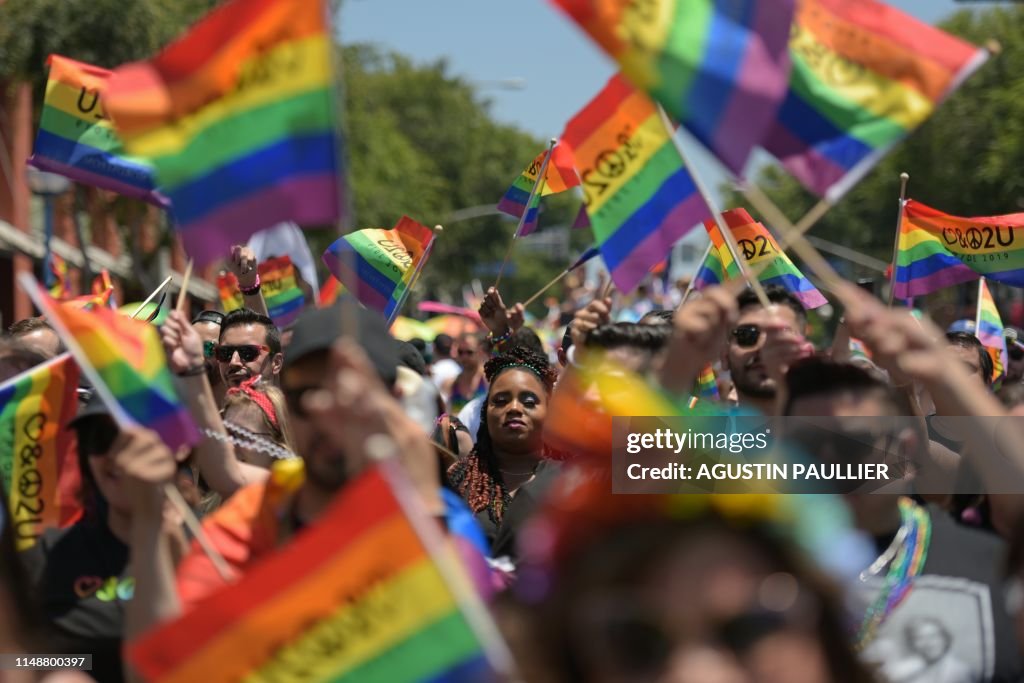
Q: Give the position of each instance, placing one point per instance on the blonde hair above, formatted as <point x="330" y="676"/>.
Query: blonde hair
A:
<point x="273" y="397"/>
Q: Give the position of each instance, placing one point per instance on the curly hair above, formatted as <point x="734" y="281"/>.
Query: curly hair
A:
<point x="477" y="478"/>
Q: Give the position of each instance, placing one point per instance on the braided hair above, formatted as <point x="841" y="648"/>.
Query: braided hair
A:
<point x="477" y="477"/>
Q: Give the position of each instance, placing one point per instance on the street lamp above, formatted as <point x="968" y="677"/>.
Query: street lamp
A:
<point x="49" y="186"/>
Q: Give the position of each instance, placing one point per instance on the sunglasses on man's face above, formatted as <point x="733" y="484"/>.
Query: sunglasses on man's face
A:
<point x="746" y="336"/>
<point x="247" y="352"/>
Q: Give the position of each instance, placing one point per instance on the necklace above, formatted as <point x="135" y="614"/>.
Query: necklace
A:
<point x="906" y="560"/>
<point x="518" y="474"/>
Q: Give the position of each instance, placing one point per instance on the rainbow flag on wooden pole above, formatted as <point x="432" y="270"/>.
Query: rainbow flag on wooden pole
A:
<point x="365" y="594"/>
<point x="38" y="463"/>
<point x="239" y="119"/>
<point x="988" y="328"/>
<point x="560" y="176"/>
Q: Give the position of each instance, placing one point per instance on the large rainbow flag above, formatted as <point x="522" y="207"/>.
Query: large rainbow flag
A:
<point x="239" y="119"/>
<point x="559" y="176"/>
<point x="77" y="140"/>
<point x="129" y="361"/>
<point x="758" y="245"/>
<point x="38" y="462"/>
<point x="989" y="330"/>
<point x="378" y="265"/>
<point x="936" y="250"/>
<point x="282" y="294"/>
<point x="864" y="76"/>
<point x="719" y="67"/>
<point x="639" y="197"/>
<point x="354" y="598"/>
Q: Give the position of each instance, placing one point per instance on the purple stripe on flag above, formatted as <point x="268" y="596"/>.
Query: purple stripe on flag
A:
<point x="176" y="428"/>
<point x="309" y="200"/>
<point x="511" y="207"/>
<point x="817" y="172"/>
<point x="655" y="247"/>
<point x="934" y="282"/>
<point x="760" y="80"/>
<point x="98" y="180"/>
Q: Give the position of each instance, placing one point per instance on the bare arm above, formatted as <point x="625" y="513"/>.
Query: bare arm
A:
<point x="244" y="265"/>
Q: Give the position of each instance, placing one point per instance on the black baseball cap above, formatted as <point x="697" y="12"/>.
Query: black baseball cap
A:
<point x="208" y="316"/>
<point x="319" y="328"/>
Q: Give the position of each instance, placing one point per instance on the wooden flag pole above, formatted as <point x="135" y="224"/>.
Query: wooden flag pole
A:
<point x="183" y="294"/>
<point x="522" y="219"/>
<point x="546" y="287"/>
<point x="977" y="314"/>
<point x="117" y="412"/>
<point x="904" y="177"/>
<point x="152" y="296"/>
<point x="730" y="239"/>
<point x="693" y="280"/>
<point x="438" y="229"/>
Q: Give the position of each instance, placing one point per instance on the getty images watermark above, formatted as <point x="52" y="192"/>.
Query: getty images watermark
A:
<point x="817" y="455"/>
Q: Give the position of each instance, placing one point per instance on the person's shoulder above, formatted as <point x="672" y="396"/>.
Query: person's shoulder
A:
<point x="972" y="550"/>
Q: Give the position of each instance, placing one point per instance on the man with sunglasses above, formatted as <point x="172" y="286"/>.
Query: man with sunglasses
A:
<point x="249" y="346"/>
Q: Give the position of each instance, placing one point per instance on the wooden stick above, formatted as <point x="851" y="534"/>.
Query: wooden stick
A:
<point x="546" y="287"/>
<point x="904" y="177"/>
<point x="609" y="286"/>
<point x="184" y="287"/>
<point x="522" y="219"/>
<point x="152" y="296"/>
<point x="693" y="280"/>
<point x="730" y="239"/>
<point x="438" y="229"/>
<point x="977" y="314"/>
<point x="192" y="522"/>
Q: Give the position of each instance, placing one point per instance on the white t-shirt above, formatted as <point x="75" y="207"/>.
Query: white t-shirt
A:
<point x="442" y="371"/>
<point x="470" y="416"/>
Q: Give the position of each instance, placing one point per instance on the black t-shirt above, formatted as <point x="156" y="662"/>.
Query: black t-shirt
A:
<point x="953" y="626"/>
<point x="80" y="586"/>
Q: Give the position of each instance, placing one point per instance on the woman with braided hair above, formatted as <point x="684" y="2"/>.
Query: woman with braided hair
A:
<point x="503" y="476"/>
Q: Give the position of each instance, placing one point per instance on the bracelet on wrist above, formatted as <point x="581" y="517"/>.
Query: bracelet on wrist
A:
<point x="499" y="341"/>
<point x="194" y="371"/>
<point x="249" y="291"/>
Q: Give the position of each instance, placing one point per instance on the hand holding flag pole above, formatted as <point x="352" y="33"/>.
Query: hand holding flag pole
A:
<point x="904" y="177"/>
<point x="526" y="212"/>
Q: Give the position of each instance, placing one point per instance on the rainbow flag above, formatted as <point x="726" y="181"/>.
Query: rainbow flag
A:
<point x="719" y="68"/>
<point x="354" y="598"/>
<point x="707" y="386"/>
<point x="378" y="265"/>
<point x="91" y="301"/>
<point x="103" y="289"/>
<point x="937" y="250"/>
<point x="558" y="177"/>
<point x="77" y="140"/>
<point x="38" y="460"/>
<point x="644" y="202"/>
<point x="128" y="359"/>
<point x="281" y="292"/>
<point x="238" y="118"/>
<point x="330" y="290"/>
<point x="989" y="330"/>
<point x="758" y="246"/>
<point x="865" y="75"/>
<point x="60" y="288"/>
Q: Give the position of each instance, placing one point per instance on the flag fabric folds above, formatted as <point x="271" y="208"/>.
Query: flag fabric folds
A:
<point x="377" y="265"/>
<point x="719" y="67"/>
<point x="936" y="250"/>
<point x="282" y="294"/>
<point x="355" y="597"/>
<point x="330" y="290"/>
<point x="76" y="138"/>
<point x="758" y="245"/>
<point x="639" y="197"/>
<point x="238" y="118"/>
<point x="129" y="360"/>
<point x="864" y="76"/>
<point x="38" y="461"/>
<point x="60" y="287"/>
<point x="989" y="330"/>
<point x="558" y="177"/>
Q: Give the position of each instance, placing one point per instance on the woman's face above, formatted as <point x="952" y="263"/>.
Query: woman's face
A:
<point x="249" y="416"/>
<point x="516" y="408"/>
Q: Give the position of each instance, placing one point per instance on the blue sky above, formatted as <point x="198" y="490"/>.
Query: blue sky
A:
<point x="492" y="40"/>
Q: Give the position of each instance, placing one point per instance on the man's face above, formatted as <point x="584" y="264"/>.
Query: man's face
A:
<point x="743" y="353"/>
<point x="326" y="465"/>
<point x="244" y="363"/>
<point x="969" y="358"/>
<point x="44" y="341"/>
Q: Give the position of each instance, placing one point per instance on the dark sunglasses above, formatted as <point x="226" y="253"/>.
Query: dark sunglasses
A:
<point x="247" y="352"/>
<point x="1015" y="352"/>
<point x="467" y="352"/>
<point x="746" y="335"/>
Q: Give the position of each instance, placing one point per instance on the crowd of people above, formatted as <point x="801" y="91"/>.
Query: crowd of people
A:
<point x="920" y="582"/>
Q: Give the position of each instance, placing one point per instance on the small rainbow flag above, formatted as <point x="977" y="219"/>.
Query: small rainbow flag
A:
<point x="355" y="597"/>
<point x="378" y="265"/>
<point x="77" y="140"/>
<point x="128" y="361"/>
<point x="38" y="461"/>
<point x="558" y="177"/>
<point x="707" y="386"/>
<point x="60" y="289"/>
<point x="937" y="250"/>
<point x="238" y="118"/>
<point x="719" y="68"/>
<point x="91" y="301"/>
<point x="758" y="246"/>
<point x="989" y="330"/>
<point x="865" y="75"/>
<point x="639" y="197"/>
<point x="330" y="290"/>
<point x="281" y="292"/>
